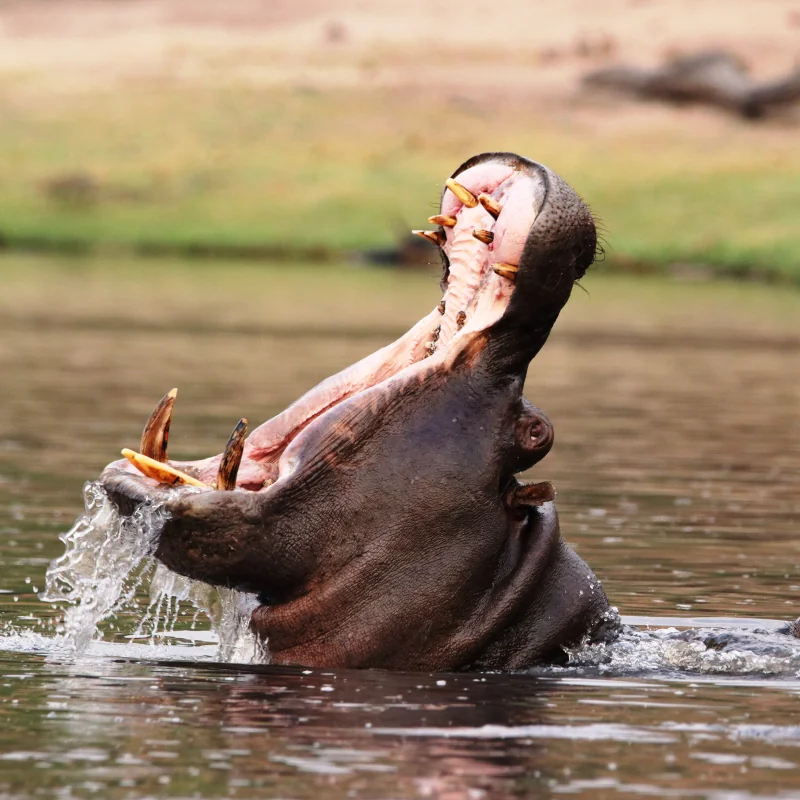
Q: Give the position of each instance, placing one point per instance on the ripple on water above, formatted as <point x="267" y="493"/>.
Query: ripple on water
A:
<point x="677" y="464"/>
<point x="714" y="651"/>
<point x="108" y="562"/>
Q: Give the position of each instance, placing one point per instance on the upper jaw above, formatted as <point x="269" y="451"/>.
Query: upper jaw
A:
<point x="514" y="238"/>
<point x="544" y="234"/>
<point x="489" y="218"/>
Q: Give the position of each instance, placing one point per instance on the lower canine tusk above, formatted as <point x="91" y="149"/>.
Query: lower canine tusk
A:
<point x="232" y="457"/>
<point x="156" y="432"/>
<point x="507" y="271"/>
<point x="163" y="473"/>
<point x="462" y="193"/>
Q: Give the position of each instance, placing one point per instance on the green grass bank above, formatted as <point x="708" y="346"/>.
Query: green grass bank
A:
<point x="259" y="170"/>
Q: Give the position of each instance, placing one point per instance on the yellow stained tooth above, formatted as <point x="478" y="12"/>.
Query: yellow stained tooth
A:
<point x="437" y="237"/>
<point x="163" y="473"/>
<point x="490" y="204"/>
<point x="462" y="193"/>
<point x="156" y="432"/>
<point x="487" y="237"/>
<point x="232" y="457"/>
<point x="507" y="271"/>
<point x="443" y="220"/>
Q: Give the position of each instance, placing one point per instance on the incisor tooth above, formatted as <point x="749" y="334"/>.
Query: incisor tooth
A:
<point x="462" y="193"/>
<point x="163" y="473"/>
<point x="156" y="432"/>
<point x="437" y="237"/>
<point x="443" y="220"/>
<point x="232" y="457"/>
<point x="507" y="271"/>
<point x="487" y="237"/>
<point x="490" y="204"/>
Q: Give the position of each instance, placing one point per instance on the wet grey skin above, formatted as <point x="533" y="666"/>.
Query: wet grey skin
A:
<point x="388" y="528"/>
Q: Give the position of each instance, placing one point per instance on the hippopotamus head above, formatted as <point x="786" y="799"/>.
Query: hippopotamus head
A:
<point x="378" y="518"/>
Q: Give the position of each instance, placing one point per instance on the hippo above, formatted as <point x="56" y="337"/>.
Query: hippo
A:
<point x="378" y="520"/>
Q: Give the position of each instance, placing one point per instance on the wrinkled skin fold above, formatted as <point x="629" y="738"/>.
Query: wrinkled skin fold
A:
<point x="378" y="518"/>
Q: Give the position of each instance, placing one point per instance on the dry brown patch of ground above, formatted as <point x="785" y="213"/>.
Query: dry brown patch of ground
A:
<point x="474" y="47"/>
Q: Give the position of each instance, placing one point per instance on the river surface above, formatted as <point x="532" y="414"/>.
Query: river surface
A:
<point x="677" y="461"/>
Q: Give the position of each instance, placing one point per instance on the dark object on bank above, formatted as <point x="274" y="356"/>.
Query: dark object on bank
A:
<point x="712" y="78"/>
<point x="73" y="189"/>
<point x="410" y="251"/>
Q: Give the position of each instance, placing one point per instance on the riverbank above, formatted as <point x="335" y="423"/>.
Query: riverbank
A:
<point x="316" y="136"/>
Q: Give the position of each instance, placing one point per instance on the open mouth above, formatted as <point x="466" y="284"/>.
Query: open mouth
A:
<point x="487" y="211"/>
<point x="378" y="520"/>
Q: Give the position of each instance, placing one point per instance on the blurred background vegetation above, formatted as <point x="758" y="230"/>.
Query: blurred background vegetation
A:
<point x="317" y="130"/>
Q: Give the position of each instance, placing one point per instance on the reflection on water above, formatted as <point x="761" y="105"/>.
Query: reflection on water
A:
<point x="143" y="729"/>
<point x="677" y="461"/>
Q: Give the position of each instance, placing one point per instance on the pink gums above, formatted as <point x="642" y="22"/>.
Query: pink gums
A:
<point x="474" y="299"/>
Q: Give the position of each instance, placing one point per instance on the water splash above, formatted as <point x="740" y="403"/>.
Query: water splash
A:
<point x="107" y="567"/>
<point x="711" y="651"/>
<point x="108" y="576"/>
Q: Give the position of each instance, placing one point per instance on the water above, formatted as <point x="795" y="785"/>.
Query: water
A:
<point x="677" y="461"/>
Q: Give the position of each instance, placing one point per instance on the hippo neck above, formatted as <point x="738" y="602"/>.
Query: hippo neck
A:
<point x="541" y="597"/>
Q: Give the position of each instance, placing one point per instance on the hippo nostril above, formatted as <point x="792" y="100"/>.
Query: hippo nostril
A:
<point x="490" y="204"/>
<point x="487" y="237"/>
